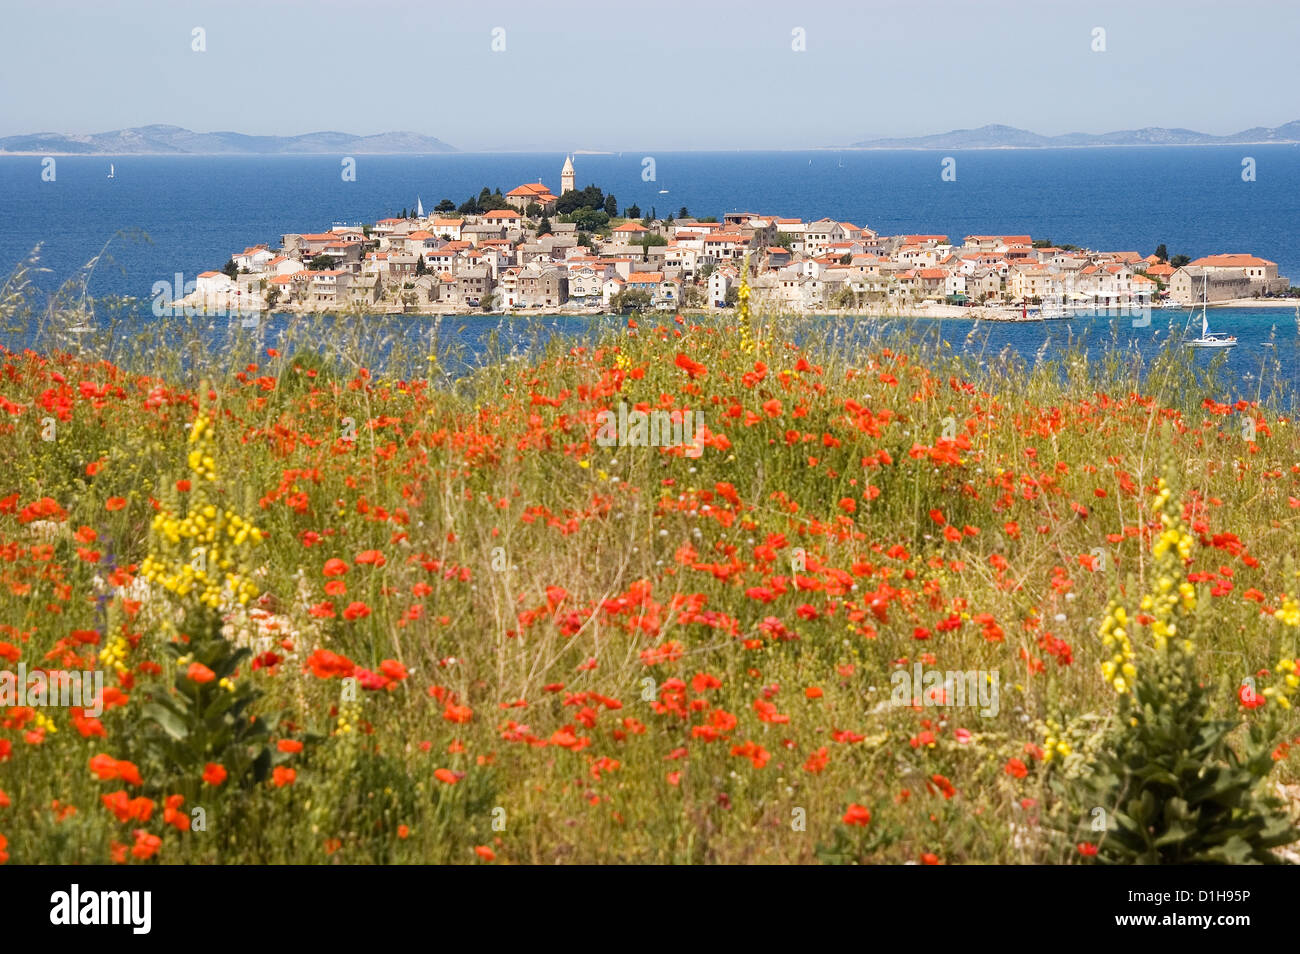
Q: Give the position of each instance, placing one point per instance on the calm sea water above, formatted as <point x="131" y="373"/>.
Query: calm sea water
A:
<point x="196" y="210"/>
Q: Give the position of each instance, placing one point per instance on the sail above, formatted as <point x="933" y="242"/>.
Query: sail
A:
<point x="419" y="208"/>
<point x="1205" y="305"/>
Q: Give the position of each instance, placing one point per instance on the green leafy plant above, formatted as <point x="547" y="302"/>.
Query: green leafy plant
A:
<point x="1172" y="787"/>
<point x="1168" y="786"/>
<point x="195" y="722"/>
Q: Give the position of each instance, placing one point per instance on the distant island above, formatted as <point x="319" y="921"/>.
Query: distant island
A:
<point x="1009" y="137"/>
<point x="175" y="140"/>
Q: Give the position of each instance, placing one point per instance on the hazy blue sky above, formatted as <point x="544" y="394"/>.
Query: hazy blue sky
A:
<point x="667" y="74"/>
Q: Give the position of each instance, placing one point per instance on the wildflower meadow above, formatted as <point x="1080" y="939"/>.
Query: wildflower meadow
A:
<point x="873" y="601"/>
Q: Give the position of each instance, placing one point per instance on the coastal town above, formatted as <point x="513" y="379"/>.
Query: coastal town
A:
<point x="577" y="251"/>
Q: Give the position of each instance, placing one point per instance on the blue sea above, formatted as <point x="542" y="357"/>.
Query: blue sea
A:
<point x="187" y="214"/>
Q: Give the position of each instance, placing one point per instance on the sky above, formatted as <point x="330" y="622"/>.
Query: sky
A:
<point x="667" y="74"/>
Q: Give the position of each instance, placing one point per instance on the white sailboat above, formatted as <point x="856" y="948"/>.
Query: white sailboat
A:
<point x="419" y="208"/>
<point x="112" y="173"/>
<point x="1209" y="339"/>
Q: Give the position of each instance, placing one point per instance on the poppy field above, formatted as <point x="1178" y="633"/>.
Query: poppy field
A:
<point x="345" y="615"/>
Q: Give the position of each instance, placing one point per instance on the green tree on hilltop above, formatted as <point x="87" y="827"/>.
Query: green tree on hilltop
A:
<point x="589" y="198"/>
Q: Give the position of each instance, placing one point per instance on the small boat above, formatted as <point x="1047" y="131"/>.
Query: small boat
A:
<point x="112" y="173"/>
<point x="663" y="191"/>
<point x="1170" y="303"/>
<point x="1208" y="338"/>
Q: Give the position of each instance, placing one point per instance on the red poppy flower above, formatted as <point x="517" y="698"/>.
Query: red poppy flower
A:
<point x="172" y="815"/>
<point x="858" y="815"/>
<point x="817" y="761"/>
<point x="756" y="754"/>
<point x="325" y="664"/>
<point x="146" y="845"/>
<point x="692" y="368"/>
<point x="393" y="669"/>
<point x="940" y="783"/>
<point x="109" y="768"/>
<point x="282" y="776"/>
<point x="458" y="714"/>
<point x="197" y="672"/>
<point x="356" y="610"/>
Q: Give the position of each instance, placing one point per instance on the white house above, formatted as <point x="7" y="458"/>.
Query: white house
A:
<point x="213" y="283"/>
<point x="611" y="288"/>
<point x="720" y="282"/>
<point x="254" y="258"/>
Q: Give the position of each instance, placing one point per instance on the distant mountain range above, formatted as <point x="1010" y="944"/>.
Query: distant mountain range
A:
<point x="1008" y="137"/>
<point x="173" y="140"/>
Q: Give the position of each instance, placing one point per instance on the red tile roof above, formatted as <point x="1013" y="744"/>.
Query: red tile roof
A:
<point x="1232" y="260"/>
